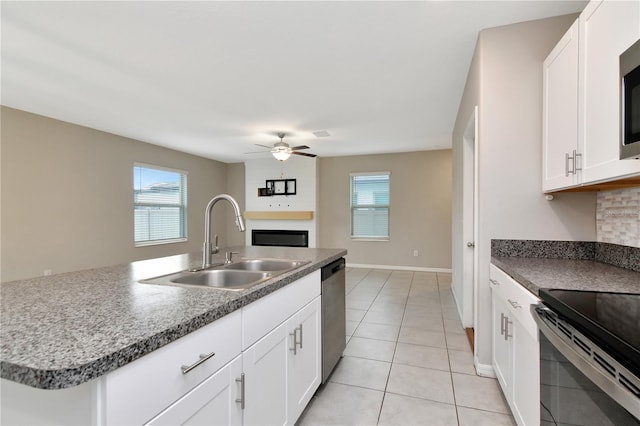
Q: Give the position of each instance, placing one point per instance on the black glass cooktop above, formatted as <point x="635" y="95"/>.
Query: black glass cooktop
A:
<point x="611" y="320"/>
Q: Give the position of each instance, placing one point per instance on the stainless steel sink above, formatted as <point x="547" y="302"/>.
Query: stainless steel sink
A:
<point x="217" y="278"/>
<point x="265" y="265"/>
<point x="235" y="276"/>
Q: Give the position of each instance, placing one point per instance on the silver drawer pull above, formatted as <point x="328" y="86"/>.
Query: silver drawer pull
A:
<point x="203" y="358"/>
<point x="241" y="399"/>
<point x="494" y="282"/>
<point x="515" y="304"/>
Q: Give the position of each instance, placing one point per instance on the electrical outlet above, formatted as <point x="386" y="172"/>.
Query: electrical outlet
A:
<point x="415" y="253"/>
<point x="46" y="272"/>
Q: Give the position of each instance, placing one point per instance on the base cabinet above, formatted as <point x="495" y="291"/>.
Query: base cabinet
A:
<point x="265" y="369"/>
<point x="291" y="351"/>
<point x="305" y="363"/>
<point x="516" y="350"/>
<point x="213" y="402"/>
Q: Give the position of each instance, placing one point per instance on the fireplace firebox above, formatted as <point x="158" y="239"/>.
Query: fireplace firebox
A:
<point x="279" y="237"/>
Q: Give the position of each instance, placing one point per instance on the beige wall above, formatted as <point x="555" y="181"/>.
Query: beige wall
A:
<point x="420" y="213"/>
<point x="235" y="188"/>
<point x="67" y="201"/>
<point x="505" y="81"/>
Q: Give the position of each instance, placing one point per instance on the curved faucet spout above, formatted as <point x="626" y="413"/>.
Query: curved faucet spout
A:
<point x="207" y="249"/>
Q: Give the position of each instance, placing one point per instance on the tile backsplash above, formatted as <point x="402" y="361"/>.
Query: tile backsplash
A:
<point x="618" y="217"/>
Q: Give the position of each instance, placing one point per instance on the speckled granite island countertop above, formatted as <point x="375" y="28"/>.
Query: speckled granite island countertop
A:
<point x="568" y="274"/>
<point x="64" y="330"/>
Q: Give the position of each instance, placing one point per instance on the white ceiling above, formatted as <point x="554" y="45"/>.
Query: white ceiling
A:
<point x="214" y="78"/>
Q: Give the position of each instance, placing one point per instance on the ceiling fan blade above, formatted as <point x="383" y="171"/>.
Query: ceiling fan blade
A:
<point x="264" y="146"/>
<point x="306" y="154"/>
<point x="295" y="148"/>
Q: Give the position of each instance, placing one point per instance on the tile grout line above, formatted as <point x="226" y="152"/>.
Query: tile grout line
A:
<point x="446" y="341"/>
<point x="395" y="348"/>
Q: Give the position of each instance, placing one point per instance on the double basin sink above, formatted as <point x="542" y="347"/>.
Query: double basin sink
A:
<point x="235" y="276"/>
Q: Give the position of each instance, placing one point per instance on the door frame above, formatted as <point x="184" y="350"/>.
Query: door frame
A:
<point x="470" y="222"/>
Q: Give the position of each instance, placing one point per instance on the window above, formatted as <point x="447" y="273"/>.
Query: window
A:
<point x="370" y="206"/>
<point x="160" y="205"/>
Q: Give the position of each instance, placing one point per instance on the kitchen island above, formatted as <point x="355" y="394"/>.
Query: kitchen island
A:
<point x="73" y="329"/>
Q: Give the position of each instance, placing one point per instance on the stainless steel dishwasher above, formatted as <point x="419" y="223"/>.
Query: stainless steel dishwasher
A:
<point x="333" y="316"/>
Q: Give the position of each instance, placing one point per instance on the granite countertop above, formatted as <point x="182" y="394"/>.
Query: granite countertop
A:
<point x="568" y="274"/>
<point x="63" y="330"/>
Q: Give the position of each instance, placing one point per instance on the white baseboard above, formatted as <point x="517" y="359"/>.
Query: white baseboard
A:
<point x="398" y="268"/>
<point x="485" y="370"/>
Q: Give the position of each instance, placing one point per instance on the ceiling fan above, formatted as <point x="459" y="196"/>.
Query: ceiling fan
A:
<point x="282" y="151"/>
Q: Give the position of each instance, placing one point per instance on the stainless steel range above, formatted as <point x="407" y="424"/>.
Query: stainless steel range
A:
<point x="589" y="357"/>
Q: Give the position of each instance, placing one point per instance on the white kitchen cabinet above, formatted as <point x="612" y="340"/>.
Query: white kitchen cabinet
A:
<point x="265" y="375"/>
<point x="283" y="369"/>
<point x="515" y="348"/>
<point x="213" y="402"/>
<point x="305" y="363"/>
<point x="138" y="391"/>
<point x="502" y="353"/>
<point x="581" y="98"/>
<point x="607" y="28"/>
<point x="560" y="150"/>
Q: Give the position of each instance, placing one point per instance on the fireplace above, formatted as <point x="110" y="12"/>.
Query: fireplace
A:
<point x="279" y="237"/>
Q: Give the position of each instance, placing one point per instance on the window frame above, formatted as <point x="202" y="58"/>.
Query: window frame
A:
<point x="352" y="207"/>
<point x="182" y="206"/>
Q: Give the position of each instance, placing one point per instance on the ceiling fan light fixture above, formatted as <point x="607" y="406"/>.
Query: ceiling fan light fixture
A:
<point x="281" y="153"/>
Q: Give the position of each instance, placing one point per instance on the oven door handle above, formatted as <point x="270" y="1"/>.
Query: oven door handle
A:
<point x="608" y="384"/>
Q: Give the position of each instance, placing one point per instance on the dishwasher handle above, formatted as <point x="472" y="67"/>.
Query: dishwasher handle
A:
<point x="333" y="268"/>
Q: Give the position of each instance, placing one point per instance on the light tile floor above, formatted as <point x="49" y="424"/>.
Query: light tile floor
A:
<point x="407" y="361"/>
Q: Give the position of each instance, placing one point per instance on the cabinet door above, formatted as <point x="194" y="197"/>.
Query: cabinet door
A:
<point x="305" y="364"/>
<point x="213" y="402"/>
<point x="608" y="28"/>
<point x="526" y="377"/>
<point x="560" y="109"/>
<point x="265" y="375"/>
<point x="502" y="338"/>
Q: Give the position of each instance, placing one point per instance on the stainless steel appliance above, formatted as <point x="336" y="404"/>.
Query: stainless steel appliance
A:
<point x="333" y="315"/>
<point x="630" y="102"/>
<point x="589" y="357"/>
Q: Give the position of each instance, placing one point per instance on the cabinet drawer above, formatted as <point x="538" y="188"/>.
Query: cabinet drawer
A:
<point x="141" y="389"/>
<point x="518" y="298"/>
<point x="262" y="316"/>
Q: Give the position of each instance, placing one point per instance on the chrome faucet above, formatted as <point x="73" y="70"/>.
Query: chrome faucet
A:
<point x="207" y="249"/>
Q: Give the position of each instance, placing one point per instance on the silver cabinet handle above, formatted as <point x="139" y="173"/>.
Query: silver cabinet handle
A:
<point x="471" y="244"/>
<point x="295" y="341"/>
<point x="203" y="358"/>
<point x="566" y="164"/>
<point x="300" y="335"/>
<point x="241" y="399"/>
<point x="502" y="318"/>
<point x="506" y="328"/>
<point x="515" y="304"/>
<point x="494" y="282"/>
<point x="575" y="161"/>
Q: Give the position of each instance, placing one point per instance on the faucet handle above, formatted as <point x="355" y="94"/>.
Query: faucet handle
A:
<point x="215" y="248"/>
<point x="228" y="256"/>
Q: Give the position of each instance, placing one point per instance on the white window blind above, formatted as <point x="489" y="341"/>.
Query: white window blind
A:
<point x="160" y="205"/>
<point x="370" y="206"/>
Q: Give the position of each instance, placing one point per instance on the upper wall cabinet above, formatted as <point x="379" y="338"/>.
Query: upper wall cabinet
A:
<point x="560" y="119"/>
<point x="605" y="29"/>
